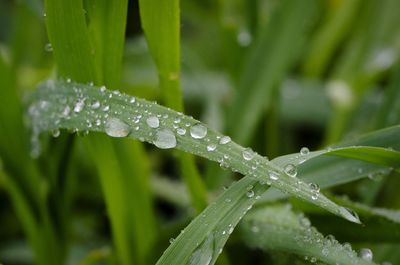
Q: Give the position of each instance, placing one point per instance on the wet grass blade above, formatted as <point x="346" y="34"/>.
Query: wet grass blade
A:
<point x="123" y="118"/>
<point x="279" y="228"/>
<point x="161" y="25"/>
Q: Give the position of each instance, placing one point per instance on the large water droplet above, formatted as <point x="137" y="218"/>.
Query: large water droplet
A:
<point x="248" y="154"/>
<point x="165" y="139"/>
<point x="153" y="122"/>
<point x="224" y="140"/>
<point x="116" y="128"/>
<point x="365" y="254"/>
<point x="314" y="187"/>
<point x="198" y="131"/>
<point x="290" y="170"/>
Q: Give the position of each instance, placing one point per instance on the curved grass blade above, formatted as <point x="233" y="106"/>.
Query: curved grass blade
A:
<point x="279" y="228"/>
<point x="329" y="170"/>
<point x="78" y="107"/>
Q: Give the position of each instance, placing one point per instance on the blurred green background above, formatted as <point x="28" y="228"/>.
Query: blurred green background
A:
<point x="275" y="75"/>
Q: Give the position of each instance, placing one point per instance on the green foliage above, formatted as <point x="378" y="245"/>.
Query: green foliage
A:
<point x="83" y="174"/>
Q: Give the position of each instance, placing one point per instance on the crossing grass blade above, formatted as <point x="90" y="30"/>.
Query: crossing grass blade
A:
<point x="97" y="47"/>
<point x="161" y="25"/>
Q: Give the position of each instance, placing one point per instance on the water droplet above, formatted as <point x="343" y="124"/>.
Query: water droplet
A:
<point x="181" y="131"/>
<point x="95" y="105"/>
<point x="106" y="108"/>
<point x="198" y="131"/>
<point x="247" y="154"/>
<point x="349" y="215"/>
<point x="114" y="127"/>
<point x="102" y="89"/>
<point x="365" y="254"/>
<point x="250" y="194"/>
<point x="48" y="47"/>
<point x="304" y="151"/>
<point x="165" y="139"/>
<point x="55" y="133"/>
<point x="255" y="229"/>
<point x="211" y="147"/>
<point x="244" y="38"/>
<point x="314" y="187"/>
<point x="204" y="253"/>
<point x="171" y="240"/>
<point x="290" y="170"/>
<point x="79" y="106"/>
<point x="273" y="175"/>
<point x="224" y="140"/>
<point x="153" y="122"/>
<point x="66" y="111"/>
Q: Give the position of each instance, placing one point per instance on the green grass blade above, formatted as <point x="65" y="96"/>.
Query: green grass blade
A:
<point x="272" y="56"/>
<point x="326" y="39"/>
<point x="69" y="36"/>
<point x="117" y="121"/>
<point x="161" y="25"/>
<point x="279" y="228"/>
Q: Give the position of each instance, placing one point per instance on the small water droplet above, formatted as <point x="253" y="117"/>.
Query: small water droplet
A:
<point x="248" y="154"/>
<point x="273" y="175"/>
<point x="255" y="229"/>
<point x="314" y="187"/>
<point x="181" y="131"/>
<point x="198" y="131"/>
<point x="114" y="127"/>
<point x="153" y="122"/>
<point x="106" y="108"/>
<point x="165" y="139"/>
<point x="224" y="140"/>
<point x="290" y="170"/>
<point x="171" y="240"/>
<point x="304" y="151"/>
<point x="250" y="193"/>
<point x="95" y="105"/>
<point x="48" y="47"/>
<point x="55" y="133"/>
<point x="79" y="106"/>
<point x="365" y="254"/>
<point x="211" y="147"/>
<point x="102" y="89"/>
<point x="349" y="215"/>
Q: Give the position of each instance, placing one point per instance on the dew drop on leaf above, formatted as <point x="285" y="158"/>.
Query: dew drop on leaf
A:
<point x="248" y="154"/>
<point x="365" y="254"/>
<point x="114" y="127"/>
<point x="250" y="193"/>
<point x="304" y="151"/>
<point x="165" y="139"/>
<point x="181" y="131"/>
<point x="290" y="170"/>
<point x="211" y="147"/>
<point x="224" y="140"/>
<point x="79" y="106"/>
<point x="198" y="131"/>
<point x="55" y="133"/>
<point x="153" y="122"/>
